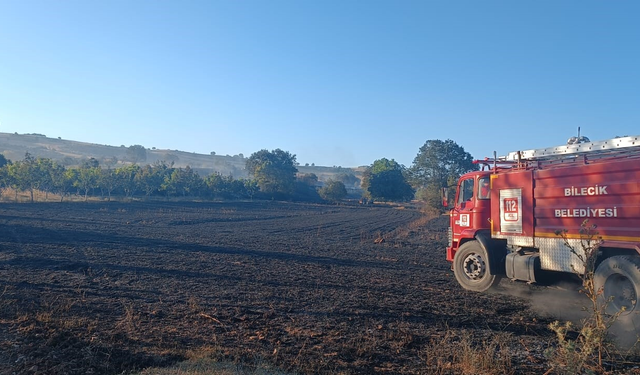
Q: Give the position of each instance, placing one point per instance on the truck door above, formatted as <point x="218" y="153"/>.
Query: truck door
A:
<point x="471" y="211"/>
<point x="473" y="205"/>
<point x="462" y="215"/>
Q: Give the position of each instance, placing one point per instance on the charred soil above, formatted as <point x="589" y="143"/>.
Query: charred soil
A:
<point x="107" y="288"/>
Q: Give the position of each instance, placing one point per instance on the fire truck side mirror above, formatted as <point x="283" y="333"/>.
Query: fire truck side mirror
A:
<point x="445" y="197"/>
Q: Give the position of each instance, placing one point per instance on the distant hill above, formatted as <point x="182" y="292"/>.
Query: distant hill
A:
<point x="73" y="153"/>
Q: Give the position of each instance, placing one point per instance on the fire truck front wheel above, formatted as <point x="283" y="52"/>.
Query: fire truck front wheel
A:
<point x="471" y="268"/>
<point x="619" y="279"/>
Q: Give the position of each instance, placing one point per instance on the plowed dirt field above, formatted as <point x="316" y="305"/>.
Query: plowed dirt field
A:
<point x="107" y="288"/>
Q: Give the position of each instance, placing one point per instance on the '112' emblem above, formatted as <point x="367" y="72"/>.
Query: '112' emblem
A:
<point x="511" y="209"/>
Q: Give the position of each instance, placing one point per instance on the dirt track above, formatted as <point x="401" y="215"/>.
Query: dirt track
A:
<point x="112" y="287"/>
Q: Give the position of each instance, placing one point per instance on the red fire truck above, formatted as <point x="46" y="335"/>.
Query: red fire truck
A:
<point x="506" y="218"/>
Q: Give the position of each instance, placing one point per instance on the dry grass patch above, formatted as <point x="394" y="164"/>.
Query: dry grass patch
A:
<point x="466" y="354"/>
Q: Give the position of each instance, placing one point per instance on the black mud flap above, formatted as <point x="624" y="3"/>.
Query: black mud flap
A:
<point x="497" y="252"/>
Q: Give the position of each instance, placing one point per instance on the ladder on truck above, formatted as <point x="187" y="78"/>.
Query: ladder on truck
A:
<point x="617" y="146"/>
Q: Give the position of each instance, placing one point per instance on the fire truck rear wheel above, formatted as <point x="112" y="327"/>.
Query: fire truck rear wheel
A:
<point x="619" y="278"/>
<point x="471" y="268"/>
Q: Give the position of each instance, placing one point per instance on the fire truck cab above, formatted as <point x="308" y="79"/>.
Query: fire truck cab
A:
<point x="470" y="234"/>
<point x="506" y="218"/>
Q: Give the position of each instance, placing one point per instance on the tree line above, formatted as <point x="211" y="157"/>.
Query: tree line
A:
<point x="274" y="177"/>
<point x="437" y="165"/>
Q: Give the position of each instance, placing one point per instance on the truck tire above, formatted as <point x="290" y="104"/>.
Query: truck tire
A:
<point x="471" y="268"/>
<point x="619" y="279"/>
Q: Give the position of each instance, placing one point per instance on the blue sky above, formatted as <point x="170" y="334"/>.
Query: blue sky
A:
<point x="334" y="82"/>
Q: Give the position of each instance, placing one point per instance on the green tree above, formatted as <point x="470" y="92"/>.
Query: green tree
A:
<point x="274" y="171"/>
<point x="226" y="187"/>
<point x="64" y="181"/>
<point x="3" y="161"/>
<point x="24" y="175"/>
<point x="4" y="174"/>
<point x="385" y="180"/>
<point x="333" y="191"/>
<point x="250" y="187"/>
<point x="127" y="179"/>
<point x="48" y="171"/>
<point x="108" y="182"/>
<point x="306" y="188"/>
<point x="151" y="177"/>
<point x="216" y="185"/>
<point x="236" y="188"/>
<point x="87" y="178"/>
<point x="438" y="165"/>
<point x="183" y="181"/>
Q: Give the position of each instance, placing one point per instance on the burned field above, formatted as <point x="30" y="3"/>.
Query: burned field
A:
<point x="108" y="288"/>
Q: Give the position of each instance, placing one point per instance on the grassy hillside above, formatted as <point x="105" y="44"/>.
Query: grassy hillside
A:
<point x="72" y="153"/>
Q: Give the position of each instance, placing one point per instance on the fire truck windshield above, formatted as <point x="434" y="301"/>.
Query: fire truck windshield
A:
<point x="465" y="191"/>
